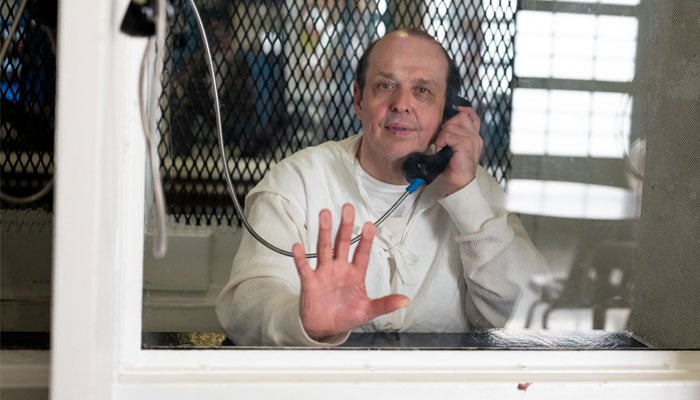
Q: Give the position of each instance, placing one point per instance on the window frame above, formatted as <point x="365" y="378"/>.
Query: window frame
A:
<point x="97" y="293"/>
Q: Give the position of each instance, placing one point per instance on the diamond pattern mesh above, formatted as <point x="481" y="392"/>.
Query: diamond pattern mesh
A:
<point x="27" y="90"/>
<point x="285" y="71"/>
<point x="284" y="75"/>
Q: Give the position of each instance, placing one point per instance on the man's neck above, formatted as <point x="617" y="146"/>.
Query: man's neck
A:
<point x="389" y="172"/>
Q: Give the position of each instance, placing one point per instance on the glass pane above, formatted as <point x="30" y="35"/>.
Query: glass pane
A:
<point x="619" y="2"/>
<point x="575" y="46"/>
<point x="286" y="85"/>
<point x="570" y="123"/>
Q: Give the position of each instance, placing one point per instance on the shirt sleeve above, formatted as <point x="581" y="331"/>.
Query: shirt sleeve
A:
<point x="495" y="251"/>
<point x="259" y="306"/>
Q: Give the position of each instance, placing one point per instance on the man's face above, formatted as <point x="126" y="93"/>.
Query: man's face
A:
<point x="402" y="103"/>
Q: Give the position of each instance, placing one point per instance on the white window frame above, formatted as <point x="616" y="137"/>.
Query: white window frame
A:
<point x="96" y="326"/>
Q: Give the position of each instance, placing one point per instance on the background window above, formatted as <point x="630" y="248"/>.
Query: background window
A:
<point x="573" y="71"/>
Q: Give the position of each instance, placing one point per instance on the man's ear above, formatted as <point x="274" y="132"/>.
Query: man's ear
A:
<point x="357" y="98"/>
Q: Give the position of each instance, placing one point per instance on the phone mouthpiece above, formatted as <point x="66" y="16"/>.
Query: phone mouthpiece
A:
<point x="421" y="166"/>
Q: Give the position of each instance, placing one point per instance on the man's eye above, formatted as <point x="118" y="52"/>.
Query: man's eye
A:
<point x="386" y="85"/>
<point x="423" y="90"/>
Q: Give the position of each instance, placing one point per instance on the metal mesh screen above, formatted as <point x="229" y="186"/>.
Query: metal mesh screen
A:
<point x="27" y="89"/>
<point x="285" y="72"/>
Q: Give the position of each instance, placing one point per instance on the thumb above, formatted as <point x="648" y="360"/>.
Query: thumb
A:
<point x="387" y="304"/>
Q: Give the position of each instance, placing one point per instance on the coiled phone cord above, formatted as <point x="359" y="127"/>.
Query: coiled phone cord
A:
<point x="415" y="184"/>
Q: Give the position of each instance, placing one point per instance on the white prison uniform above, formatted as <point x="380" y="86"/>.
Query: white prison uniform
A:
<point x="454" y="257"/>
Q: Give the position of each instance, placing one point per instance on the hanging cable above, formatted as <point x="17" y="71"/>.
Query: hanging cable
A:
<point x="229" y="182"/>
<point x="13" y="29"/>
<point x="149" y="121"/>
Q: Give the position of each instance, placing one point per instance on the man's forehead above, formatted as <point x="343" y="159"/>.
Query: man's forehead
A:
<point x="399" y="39"/>
<point x="400" y="47"/>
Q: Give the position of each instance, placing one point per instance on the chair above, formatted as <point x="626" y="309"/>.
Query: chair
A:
<point x="601" y="282"/>
<point x="612" y="264"/>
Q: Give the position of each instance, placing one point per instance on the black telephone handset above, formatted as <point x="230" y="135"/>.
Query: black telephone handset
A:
<point x="419" y="165"/>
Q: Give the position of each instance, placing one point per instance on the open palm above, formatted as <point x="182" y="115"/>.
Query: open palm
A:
<point x="333" y="297"/>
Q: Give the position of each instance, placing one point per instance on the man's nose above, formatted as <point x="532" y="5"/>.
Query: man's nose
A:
<point x="401" y="102"/>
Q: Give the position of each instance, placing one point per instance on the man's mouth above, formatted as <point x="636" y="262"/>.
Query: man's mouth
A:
<point x="398" y="128"/>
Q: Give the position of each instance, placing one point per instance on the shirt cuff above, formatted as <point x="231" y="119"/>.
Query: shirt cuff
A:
<point x="468" y="208"/>
<point x="334" y="340"/>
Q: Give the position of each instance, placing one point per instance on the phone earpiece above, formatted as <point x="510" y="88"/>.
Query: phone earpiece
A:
<point x="419" y="165"/>
<point x="451" y="111"/>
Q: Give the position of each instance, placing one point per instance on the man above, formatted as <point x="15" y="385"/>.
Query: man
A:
<point x="442" y="262"/>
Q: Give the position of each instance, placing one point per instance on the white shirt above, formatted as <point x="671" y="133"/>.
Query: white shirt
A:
<point x="454" y="257"/>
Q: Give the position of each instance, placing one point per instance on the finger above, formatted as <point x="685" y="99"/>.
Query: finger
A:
<point x="466" y="119"/>
<point x="299" y="255"/>
<point x="324" y="251"/>
<point x="344" y="235"/>
<point x="472" y="116"/>
<point x="464" y="108"/>
<point x="387" y="304"/>
<point x="362" y="251"/>
<point x="463" y="129"/>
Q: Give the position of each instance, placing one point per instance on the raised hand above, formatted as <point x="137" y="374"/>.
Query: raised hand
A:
<point x="333" y="297"/>
<point x="460" y="132"/>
